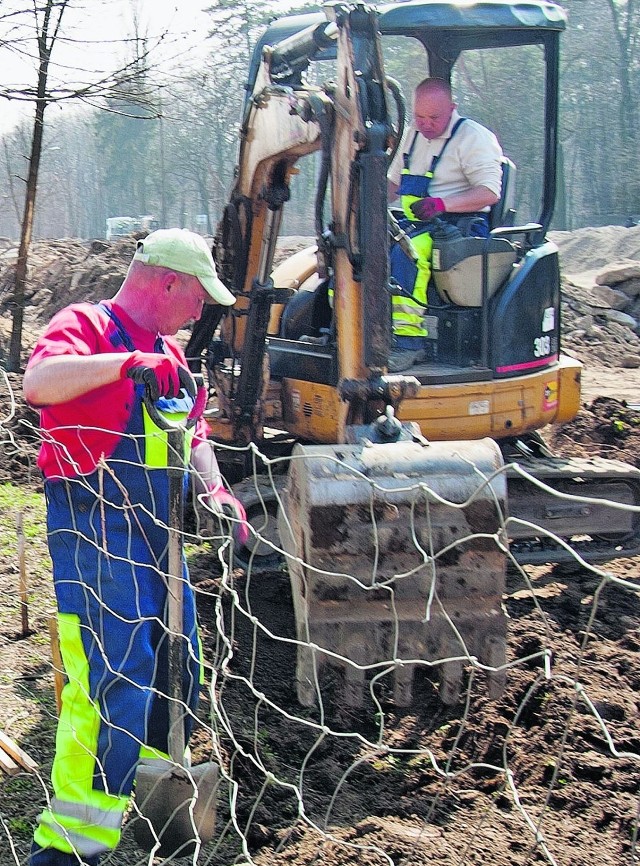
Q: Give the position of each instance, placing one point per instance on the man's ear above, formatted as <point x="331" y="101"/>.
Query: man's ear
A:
<point x="169" y="278"/>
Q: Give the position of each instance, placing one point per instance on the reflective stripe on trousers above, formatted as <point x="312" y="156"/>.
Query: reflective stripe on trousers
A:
<point x="108" y="539"/>
<point x="408" y="316"/>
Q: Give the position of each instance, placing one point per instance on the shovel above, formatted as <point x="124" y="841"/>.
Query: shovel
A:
<point x="176" y="802"/>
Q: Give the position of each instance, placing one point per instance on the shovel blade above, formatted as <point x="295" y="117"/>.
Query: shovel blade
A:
<point x="177" y="808"/>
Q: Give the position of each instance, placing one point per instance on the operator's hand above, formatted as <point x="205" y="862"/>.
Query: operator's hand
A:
<point x="159" y="372"/>
<point x="224" y="503"/>
<point x="426" y="208"/>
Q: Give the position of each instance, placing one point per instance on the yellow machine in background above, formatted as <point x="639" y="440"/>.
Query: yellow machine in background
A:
<point x="302" y="356"/>
<point x="305" y="348"/>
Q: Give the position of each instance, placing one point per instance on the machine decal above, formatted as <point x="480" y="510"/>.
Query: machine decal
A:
<point x="548" y="320"/>
<point x="550" y="399"/>
<point x="542" y="347"/>
<point x="480" y="407"/>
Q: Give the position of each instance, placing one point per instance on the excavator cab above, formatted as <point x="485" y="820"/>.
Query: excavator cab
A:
<point x="398" y="510"/>
<point x="493" y="307"/>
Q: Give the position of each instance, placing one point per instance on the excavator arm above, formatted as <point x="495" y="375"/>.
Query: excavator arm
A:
<point x="281" y="124"/>
<point x="287" y="118"/>
<point x="362" y="138"/>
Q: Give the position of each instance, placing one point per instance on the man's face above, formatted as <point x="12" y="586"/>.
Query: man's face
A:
<point x="432" y="113"/>
<point x="186" y="301"/>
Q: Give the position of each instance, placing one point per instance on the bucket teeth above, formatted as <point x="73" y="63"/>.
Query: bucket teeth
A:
<point x="396" y="559"/>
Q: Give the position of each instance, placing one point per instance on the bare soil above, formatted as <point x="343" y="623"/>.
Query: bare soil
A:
<point x="548" y="773"/>
<point x="617" y="383"/>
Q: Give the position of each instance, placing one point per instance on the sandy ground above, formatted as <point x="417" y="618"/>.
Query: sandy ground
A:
<point x="617" y="383"/>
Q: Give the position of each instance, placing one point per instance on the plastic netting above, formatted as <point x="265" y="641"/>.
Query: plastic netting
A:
<point x="411" y="695"/>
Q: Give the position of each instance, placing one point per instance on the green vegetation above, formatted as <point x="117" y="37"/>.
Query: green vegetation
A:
<point x="18" y="502"/>
<point x="14" y="499"/>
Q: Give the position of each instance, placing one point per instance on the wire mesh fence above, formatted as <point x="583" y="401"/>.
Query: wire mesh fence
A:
<point x="383" y="682"/>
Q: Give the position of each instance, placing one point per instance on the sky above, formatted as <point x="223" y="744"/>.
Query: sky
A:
<point x="96" y="41"/>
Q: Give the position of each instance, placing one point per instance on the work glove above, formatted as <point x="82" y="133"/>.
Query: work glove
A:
<point x="426" y="208"/>
<point x="220" y="501"/>
<point x="160" y="373"/>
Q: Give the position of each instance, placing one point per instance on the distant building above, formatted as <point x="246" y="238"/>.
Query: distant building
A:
<point x="118" y="227"/>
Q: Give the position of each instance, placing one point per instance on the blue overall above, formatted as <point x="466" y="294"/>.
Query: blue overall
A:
<point x="409" y="308"/>
<point x="108" y="539"/>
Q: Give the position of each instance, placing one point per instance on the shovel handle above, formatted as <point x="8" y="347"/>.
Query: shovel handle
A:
<point x="188" y="384"/>
<point x="175" y="435"/>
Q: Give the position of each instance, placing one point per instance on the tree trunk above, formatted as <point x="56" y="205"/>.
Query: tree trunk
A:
<point x="560" y="220"/>
<point x="26" y="230"/>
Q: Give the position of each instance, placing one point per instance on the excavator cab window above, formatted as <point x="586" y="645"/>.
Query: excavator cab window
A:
<point x="483" y="87"/>
<point x="494" y="87"/>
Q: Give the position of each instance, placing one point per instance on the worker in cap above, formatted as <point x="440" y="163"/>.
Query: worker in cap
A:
<point x="106" y="485"/>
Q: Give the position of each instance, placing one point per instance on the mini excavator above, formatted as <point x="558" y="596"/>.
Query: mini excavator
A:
<point x="406" y="494"/>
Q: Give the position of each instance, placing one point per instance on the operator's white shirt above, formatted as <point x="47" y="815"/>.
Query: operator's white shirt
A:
<point x="472" y="158"/>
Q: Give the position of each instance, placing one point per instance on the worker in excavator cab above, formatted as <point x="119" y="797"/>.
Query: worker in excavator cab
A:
<point x="447" y="167"/>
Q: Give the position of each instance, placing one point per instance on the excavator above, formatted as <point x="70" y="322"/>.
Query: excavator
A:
<point x="407" y="494"/>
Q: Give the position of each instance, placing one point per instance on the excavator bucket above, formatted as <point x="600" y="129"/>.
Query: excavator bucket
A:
<point x="396" y="555"/>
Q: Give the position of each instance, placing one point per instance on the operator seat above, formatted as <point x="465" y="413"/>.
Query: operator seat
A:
<point x="503" y="213"/>
<point x="307" y="312"/>
<point x="457" y="269"/>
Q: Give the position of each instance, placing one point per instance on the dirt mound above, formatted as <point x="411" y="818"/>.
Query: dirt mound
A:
<point x="62" y="272"/>
<point x="606" y="428"/>
<point x="590" y="249"/>
<point x="601" y="325"/>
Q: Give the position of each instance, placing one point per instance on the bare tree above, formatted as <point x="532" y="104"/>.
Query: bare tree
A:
<point x="41" y="25"/>
<point x="47" y="30"/>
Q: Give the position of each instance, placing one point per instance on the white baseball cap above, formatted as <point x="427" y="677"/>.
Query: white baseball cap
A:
<point x="187" y="253"/>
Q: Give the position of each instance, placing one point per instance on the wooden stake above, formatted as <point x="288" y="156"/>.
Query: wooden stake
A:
<point x="17" y="754"/>
<point x="8" y="765"/>
<point x="24" y="595"/>
<point x="58" y="668"/>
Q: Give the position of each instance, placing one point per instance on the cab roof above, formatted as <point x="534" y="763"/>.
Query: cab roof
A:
<point x="458" y="15"/>
<point x="445" y="27"/>
<point x="482" y="23"/>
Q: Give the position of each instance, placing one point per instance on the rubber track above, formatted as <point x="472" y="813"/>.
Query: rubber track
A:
<point x="582" y="477"/>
